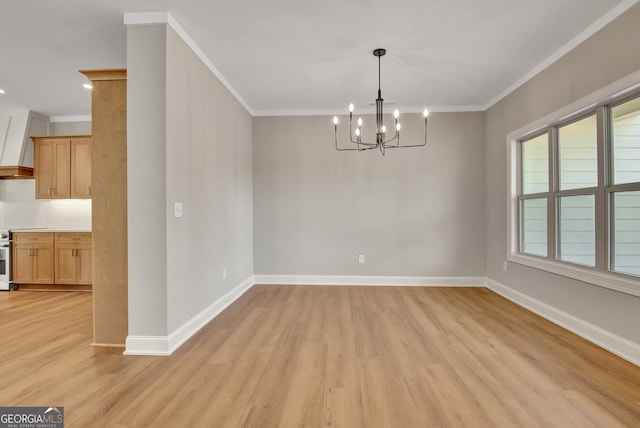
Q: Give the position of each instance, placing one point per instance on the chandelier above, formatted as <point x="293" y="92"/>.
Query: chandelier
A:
<point x="381" y="141"/>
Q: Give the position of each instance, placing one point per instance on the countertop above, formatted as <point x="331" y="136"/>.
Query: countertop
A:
<point x="50" y="230"/>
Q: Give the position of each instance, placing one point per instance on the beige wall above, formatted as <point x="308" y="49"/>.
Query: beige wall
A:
<point x="209" y="149"/>
<point x="606" y="57"/>
<point x="147" y="207"/>
<point x="189" y="141"/>
<point x="414" y="212"/>
<point x="70" y="128"/>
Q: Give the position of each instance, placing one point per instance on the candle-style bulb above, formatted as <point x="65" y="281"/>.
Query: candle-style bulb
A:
<point x="383" y="129"/>
<point x="335" y="120"/>
<point x="359" y="121"/>
<point x="351" y="108"/>
<point x="357" y="132"/>
<point x="426" y="113"/>
<point x="396" y="114"/>
<point x="398" y="126"/>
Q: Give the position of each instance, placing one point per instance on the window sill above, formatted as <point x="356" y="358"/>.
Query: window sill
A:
<point x="610" y="280"/>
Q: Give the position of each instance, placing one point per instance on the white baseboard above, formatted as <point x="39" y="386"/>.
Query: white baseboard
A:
<point x="146" y="345"/>
<point x="416" y="281"/>
<point x="620" y="346"/>
<point x="165" y="345"/>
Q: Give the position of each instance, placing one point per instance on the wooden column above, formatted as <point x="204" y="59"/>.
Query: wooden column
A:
<point x="109" y="206"/>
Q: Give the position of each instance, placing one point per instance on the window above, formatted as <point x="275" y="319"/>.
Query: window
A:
<point x="625" y="188"/>
<point x="577" y="195"/>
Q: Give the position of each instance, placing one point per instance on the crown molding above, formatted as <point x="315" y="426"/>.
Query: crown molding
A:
<point x="367" y="110"/>
<point x="568" y="47"/>
<point x="155" y="18"/>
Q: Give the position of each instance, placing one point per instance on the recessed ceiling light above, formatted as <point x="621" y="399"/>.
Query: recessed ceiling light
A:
<point x="87" y="86"/>
<point x="2" y="91"/>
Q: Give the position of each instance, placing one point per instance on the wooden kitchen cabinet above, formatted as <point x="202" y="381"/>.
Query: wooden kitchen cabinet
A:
<point x="81" y="168"/>
<point x="62" y="167"/>
<point x="48" y="260"/>
<point x="33" y="258"/>
<point x="73" y="258"/>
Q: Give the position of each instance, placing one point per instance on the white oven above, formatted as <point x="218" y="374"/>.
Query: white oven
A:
<point x="5" y="261"/>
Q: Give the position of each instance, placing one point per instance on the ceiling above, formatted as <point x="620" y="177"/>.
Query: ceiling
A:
<point x="297" y="56"/>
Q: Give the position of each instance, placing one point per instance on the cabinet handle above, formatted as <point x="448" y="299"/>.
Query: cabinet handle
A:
<point x="49" y="191"/>
<point x="89" y="190"/>
<point x="55" y="191"/>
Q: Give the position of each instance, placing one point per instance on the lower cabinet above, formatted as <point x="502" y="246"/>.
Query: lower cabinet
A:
<point x="33" y="258"/>
<point x="73" y="258"/>
<point x="55" y="259"/>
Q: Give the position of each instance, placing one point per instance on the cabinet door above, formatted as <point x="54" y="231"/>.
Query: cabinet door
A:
<point x="84" y="264"/>
<point x="22" y="263"/>
<point x="65" y="264"/>
<point x="52" y="168"/>
<point x="42" y="264"/>
<point x="81" y="168"/>
<point x="62" y="173"/>
<point x="43" y="168"/>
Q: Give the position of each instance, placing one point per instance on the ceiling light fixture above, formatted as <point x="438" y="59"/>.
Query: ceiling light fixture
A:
<point x="381" y="142"/>
<point x="2" y="91"/>
<point x="87" y="86"/>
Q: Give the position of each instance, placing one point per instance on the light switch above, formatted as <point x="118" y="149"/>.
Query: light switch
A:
<point x="177" y="209"/>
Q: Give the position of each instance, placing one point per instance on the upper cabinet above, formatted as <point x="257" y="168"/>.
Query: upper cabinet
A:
<point x="81" y="168"/>
<point x="62" y="167"/>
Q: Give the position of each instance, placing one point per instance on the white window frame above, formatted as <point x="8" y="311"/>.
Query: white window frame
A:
<point x="594" y="275"/>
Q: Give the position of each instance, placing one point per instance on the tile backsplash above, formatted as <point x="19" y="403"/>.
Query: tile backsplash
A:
<point x="20" y="209"/>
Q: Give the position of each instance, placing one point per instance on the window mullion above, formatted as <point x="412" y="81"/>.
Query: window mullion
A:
<point x="601" y="202"/>
<point x="552" y="213"/>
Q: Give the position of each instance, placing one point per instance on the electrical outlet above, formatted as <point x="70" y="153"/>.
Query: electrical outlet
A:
<point x="361" y="258"/>
<point x="505" y="264"/>
<point x="224" y="273"/>
<point x="177" y="209"/>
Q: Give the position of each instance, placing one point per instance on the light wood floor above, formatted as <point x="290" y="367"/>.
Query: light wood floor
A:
<point x="285" y="356"/>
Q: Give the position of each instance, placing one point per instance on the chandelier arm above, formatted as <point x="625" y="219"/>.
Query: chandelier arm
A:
<point x="410" y="145"/>
<point x="347" y="150"/>
<point x="425" y="132"/>
<point x="404" y="147"/>
<point x="398" y="146"/>
<point x="368" y="145"/>
<point x="350" y="128"/>
<point x="392" y="138"/>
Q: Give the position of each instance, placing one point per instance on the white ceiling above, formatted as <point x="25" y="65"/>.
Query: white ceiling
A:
<point x="301" y="56"/>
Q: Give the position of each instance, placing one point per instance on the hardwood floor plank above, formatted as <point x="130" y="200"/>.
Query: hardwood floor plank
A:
<point x="289" y="356"/>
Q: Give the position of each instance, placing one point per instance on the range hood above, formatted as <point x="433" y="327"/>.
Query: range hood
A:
<point x="16" y="147"/>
